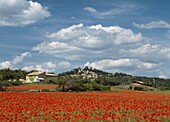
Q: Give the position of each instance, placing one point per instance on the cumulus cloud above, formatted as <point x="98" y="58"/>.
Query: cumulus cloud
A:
<point x="16" y="60"/>
<point x="108" y="63"/>
<point x="21" y="12"/>
<point x="79" y="41"/>
<point x="149" y="53"/>
<point x="90" y="9"/>
<point x="44" y="67"/>
<point x="19" y="59"/>
<point x="5" y="64"/>
<point x="153" y="25"/>
<point x="121" y="63"/>
<point x="48" y="66"/>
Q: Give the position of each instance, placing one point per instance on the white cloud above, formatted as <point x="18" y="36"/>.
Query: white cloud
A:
<point x="36" y="67"/>
<point x="153" y="25"/>
<point x="64" y="64"/>
<point x="163" y="76"/>
<point x="5" y="64"/>
<point x="109" y="64"/>
<point x="19" y="59"/>
<point x="16" y="60"/>
<point x="48" y="66"/>
<point x="90" y="9"/>
<point x="149" y="65"/>
<point x="21" y="12"/>
<point x="149" y="52"/>
<point x="123" y="9"/>
<point x="57" y="49"/>
<point x="79" y="41"/>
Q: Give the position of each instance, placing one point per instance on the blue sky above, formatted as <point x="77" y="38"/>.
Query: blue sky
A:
<point x="130" y="36"/>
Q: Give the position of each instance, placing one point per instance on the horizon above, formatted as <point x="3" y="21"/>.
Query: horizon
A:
<point x="127" y="36"/>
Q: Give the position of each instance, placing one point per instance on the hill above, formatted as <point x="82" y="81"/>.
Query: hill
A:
<point x="106" y="78"/>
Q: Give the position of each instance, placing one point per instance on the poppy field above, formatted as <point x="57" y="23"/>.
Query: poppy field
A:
<point x="29" y="87"/>
<point x="84" y="106"/>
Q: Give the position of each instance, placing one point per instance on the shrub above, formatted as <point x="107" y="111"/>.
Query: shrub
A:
<point x="99" y="87"/>
<point x="16" y="83"/>
<point x="88" y="87"/>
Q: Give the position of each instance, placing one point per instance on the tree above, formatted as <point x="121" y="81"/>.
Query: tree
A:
<point x="61" y="82"/>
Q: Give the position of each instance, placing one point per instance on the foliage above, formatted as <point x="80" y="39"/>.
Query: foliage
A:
<point x="8" y="74"/>
<point x="31" y="78"/>
<point x="99" y="87"/>
<point x="16" y="83"/>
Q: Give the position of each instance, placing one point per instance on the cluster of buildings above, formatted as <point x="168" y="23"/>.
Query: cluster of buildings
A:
<point x="36" y="77"/>
<point x="85" y="74"/>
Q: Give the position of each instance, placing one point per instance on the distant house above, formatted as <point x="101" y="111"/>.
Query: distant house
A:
<point x="51" y="76"/>
<point x="35" y="77"/>
<point x="137" y="83"/>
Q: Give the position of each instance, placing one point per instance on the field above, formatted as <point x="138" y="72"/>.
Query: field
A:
<point x="31" y="87"/>
<point x="84" y="106"/>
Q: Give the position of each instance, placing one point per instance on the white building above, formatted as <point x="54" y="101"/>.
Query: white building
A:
<point x="35" y="77"/>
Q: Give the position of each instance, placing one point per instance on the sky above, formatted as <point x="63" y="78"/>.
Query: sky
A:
<point x="129" y="36"/>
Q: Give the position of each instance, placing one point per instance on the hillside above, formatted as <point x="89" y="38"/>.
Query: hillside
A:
<point x="111" y="79"/>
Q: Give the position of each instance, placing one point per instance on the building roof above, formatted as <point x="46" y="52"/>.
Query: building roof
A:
<point x="140" y="82"/>
<point x="52" y="75"/>
<point x="35" y="73"/>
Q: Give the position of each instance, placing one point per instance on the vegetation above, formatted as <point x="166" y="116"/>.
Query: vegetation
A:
<point x="109" y="79"/>
<point x="68" y="83"/>
<point x="10" y="77"/>
<point x="86" y="79"/>
<point x="8" y="74"/>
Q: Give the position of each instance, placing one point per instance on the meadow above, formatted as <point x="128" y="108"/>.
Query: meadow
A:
<point x="121" y="106"/>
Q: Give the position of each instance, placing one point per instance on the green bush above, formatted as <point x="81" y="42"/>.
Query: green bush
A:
<point x="99" y="87"/>
<point x="51" y="81"/>
<point x="76" y="87"/>
<point x="16" y="83"/>
<point x="88" y="87"/>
